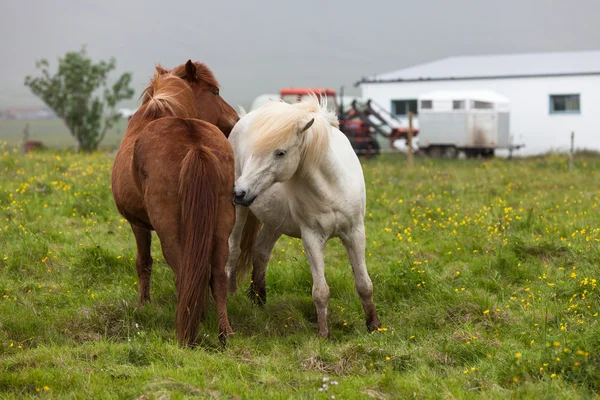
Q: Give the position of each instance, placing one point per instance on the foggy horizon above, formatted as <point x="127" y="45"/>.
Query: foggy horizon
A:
<point x="260" y="48"/>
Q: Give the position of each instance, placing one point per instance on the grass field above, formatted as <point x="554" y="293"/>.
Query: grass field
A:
<point x="485" y="276"/>
<point x="53" y="133"/>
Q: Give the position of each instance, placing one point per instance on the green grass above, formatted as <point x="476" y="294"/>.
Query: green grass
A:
<point x="485" y="276"/>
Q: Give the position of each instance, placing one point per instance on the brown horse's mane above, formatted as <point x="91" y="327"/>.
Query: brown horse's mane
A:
<point x="170" y="94"/>
<point x="203" y="73"/>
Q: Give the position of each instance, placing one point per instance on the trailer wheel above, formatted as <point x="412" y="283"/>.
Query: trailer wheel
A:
<point x="471" y="153"/>
<point x="451" y="152"/>
<point x="434" y="151"/>
<point x="487" y="153"/>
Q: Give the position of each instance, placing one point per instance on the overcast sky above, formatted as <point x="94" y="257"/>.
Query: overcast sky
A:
<point x="256" y="47"/>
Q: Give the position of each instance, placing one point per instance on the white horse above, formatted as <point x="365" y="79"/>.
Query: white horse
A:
<point x="298" y="174"/>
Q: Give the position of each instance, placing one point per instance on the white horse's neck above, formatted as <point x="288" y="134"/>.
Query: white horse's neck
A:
<point x="332" y="173"/>
<point x="324" y="173"/>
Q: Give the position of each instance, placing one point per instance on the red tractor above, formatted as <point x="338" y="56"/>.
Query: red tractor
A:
<point x="357" y="131"/>
<point x="360" y="122"/>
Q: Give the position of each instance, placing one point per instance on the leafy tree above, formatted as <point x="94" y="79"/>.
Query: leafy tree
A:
<point x="70" y="94"/>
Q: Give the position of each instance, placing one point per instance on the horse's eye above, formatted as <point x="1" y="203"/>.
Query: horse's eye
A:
<point x="280" y="153"/>
<point x="216" y="92"/>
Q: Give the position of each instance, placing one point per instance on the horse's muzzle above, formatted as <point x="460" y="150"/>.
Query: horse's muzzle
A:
<point x="240" y="199"/>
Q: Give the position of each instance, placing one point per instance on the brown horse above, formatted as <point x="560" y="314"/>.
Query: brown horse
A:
<point x="174" y="174"/>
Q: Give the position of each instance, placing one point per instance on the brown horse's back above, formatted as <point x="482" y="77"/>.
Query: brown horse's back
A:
<point x="160" y="148"/>
<point x="184" y="171"/>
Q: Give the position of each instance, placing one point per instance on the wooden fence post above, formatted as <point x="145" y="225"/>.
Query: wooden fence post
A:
<point x="571" y="154"/>
<point x="409" y="139"/>
<point x="25" y="138"/>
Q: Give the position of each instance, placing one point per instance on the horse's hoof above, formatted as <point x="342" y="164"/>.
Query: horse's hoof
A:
<point x="260" y="299"/>
<point x="232" y="285"/>
<point x="323" y="329"/>
<point x="192" y="344"/>
<point x="143" y="300"/>
<point x="324" y="333"/>
<point x="223" y="336"/>
<point x="223" y="339"/>
<point x="374" y="324"/>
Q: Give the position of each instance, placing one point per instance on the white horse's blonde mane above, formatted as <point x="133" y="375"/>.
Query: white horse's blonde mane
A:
<point x="277" y="124"/>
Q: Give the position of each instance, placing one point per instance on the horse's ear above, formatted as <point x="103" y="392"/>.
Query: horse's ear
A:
<point x="160" y="70"/>
<point x="190" y="71"/>
<point x="308" y="125"/>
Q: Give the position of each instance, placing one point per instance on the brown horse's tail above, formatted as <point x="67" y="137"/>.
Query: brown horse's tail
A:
<point x="249" y="234"/>
<point x="199" y="184"/>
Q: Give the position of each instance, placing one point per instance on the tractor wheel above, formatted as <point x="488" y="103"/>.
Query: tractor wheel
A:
<point x="374" y="147"/>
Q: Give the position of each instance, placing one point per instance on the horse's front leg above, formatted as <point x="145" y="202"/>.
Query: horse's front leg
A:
<point x="314" y="245"/>
<point x="235" y="240"/>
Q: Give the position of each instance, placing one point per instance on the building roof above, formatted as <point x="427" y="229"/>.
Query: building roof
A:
<point x="497" y="66"/>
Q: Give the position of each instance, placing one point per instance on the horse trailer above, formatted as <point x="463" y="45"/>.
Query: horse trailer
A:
<point x="474" y="122"/>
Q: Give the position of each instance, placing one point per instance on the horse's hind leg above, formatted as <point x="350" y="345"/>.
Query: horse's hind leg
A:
<point x="218" y="277"/>
<point x="260" y="258"/>
<point x="355" y="246"/>
<point x="143" y="262"/>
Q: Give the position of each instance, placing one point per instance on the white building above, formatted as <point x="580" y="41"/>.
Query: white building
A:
<point x="551" y="94"/>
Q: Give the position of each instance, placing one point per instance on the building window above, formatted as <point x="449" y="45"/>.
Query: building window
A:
<point x="403" y="107"/>
<point x="564" y="104"/>
<point x="458" y="104"/>
<point x="426" y="104"/>
<point x="481" y="105"/>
